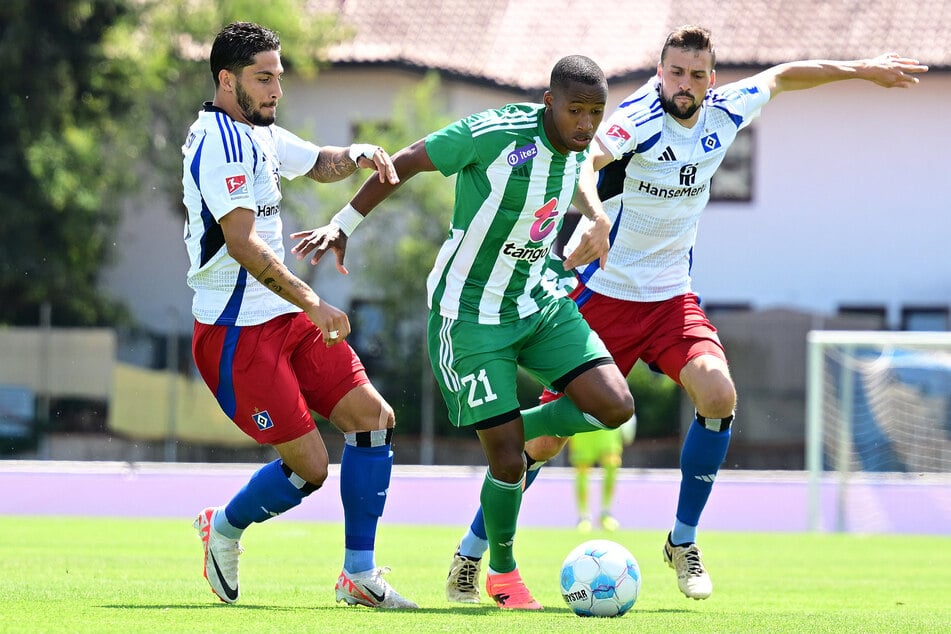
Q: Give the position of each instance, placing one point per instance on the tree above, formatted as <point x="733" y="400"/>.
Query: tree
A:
<point x="54" y="165"/>
<point x="101" y="93"/>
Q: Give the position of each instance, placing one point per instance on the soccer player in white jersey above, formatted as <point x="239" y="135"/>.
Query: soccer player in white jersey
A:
<point x="264" y="342"/>
<point x="516" y="169"/>
<point x="657" y="153"/>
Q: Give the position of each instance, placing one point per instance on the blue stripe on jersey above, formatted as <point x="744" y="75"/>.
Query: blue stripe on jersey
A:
<point x="735" y="118"/>
<point x="636" y="99"/>
<point x="656" y="111"/>
<point x="230" y="313"/>
<point x="589" y="270"/>
<point x="230" y="138"/>
<point x="225" y="392"/>
<point x="647" y="144"/>
<point x="224" y="136"/>
<point x="212" y="237"/>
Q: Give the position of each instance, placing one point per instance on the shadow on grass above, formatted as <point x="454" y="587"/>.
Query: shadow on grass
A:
<point x="472" y="610"/>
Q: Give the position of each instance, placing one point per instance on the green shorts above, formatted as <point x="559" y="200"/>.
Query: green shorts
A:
<point x="476" y="364"/>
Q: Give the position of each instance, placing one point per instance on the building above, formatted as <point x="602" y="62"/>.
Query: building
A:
<point x="830" y="213"/>
<point x="833" y="202"/>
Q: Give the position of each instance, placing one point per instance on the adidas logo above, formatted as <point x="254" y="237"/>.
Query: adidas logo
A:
<point x="668" y="155"/>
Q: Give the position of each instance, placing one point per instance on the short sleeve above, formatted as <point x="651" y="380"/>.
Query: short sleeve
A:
<point x="745" y="98"/>
<point x="617" y="134"/>
<point x="452" y="148"/>
<point x="297" y="156"/>
<point x="227" y="186"/>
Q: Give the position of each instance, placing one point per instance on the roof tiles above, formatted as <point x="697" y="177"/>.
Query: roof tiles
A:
<point x="514" y="43"/>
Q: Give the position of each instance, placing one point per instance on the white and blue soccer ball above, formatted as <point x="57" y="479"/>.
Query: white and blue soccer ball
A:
<point x="600" y="578"/>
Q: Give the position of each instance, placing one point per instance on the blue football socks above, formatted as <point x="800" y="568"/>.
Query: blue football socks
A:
<point x="271" y="490"/>
<point x="702" y="454"/>
<point x="365" y="469"/>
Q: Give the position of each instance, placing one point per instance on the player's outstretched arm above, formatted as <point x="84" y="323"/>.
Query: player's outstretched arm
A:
<point x="333" y="236"/>
<point x="336" y="163"/>
<point x="889" y="70"/>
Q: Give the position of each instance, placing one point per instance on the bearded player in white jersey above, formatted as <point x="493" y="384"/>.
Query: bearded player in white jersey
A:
<point x="657" y="153"/>
<point x="517" y="170"/>
<point x="267" y="346"/>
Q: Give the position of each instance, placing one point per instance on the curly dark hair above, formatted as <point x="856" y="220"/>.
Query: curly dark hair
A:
<point x="236" y="45"/>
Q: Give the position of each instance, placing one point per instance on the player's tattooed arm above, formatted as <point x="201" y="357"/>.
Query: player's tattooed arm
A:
<point x="332" y="164"/>
<point x="279" y="279"/>
<point x="336" y="163"/>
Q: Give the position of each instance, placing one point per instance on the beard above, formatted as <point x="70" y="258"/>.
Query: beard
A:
<point x="671" y="107"/>
<point x="248" y="110"/>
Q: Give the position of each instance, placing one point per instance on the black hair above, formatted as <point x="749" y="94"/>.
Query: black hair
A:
<point x="576" y="68"/>
<point x="236" y="45"/>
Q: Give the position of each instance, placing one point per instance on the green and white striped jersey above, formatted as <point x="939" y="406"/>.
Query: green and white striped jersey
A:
<point x="512" y="192"/>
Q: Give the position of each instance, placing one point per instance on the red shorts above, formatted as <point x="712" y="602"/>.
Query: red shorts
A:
<point x="268" y="377"/>
<point x="666" y="335"/>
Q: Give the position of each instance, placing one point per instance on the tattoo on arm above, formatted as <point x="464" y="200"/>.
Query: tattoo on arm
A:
<point x="273" y="282"/>
<point x="269" y="280"/>
<point x="261" y="274"/>
<point x="331" y="167"/>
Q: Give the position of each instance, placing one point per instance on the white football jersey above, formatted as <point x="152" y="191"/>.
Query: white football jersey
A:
<point x="228" y="165"/>
<point x="658" y="186"/>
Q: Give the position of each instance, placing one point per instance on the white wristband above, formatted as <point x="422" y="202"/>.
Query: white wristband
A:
<point x="347" y="219"/>
<point x="362" y="149"/>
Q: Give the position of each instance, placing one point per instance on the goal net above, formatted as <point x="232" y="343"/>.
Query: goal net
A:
<point x="878" y="408"/>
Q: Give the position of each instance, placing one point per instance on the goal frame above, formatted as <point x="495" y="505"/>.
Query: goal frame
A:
<point x="816" y="342"/>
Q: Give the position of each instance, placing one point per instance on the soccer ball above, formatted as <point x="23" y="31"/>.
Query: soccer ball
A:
<point x="600" y="578"/>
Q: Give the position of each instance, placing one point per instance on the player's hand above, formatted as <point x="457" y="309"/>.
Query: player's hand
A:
<point x="327" y="238"/>
<point x="594" y="245"/>
<point x="894" y="71"/>
<point x="380" y="161"/>
<point x="333" y="323"/>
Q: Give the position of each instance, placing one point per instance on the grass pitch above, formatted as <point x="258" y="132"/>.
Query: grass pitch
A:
<point x="144" y="575"/>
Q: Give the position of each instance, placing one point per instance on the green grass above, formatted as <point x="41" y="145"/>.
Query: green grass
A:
<point x="138" y="575"/>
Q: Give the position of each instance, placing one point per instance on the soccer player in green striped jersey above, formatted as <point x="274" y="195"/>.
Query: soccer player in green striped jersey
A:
<point x="517" y="171"/>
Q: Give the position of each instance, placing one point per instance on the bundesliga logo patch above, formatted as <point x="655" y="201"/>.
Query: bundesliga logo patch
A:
<point x="618" y="132"/>
<point x="237" y="186"/>
<point x="262" y="420"/>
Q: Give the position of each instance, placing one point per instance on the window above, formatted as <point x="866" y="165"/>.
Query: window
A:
<point x="717" y="309"/>
<point x="926" y="318"/>
<point x="876" y="316"/>
<point x="368" y="322"/>
<point x="733" y="181"/>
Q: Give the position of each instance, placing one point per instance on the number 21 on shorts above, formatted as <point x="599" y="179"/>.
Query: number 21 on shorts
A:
<point x="480" y="390"/>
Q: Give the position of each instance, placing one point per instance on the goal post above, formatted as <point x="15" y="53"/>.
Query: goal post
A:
<point x="878" y="405"/>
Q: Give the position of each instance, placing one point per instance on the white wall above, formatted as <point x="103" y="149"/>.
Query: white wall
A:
<point x="849" y="202"/>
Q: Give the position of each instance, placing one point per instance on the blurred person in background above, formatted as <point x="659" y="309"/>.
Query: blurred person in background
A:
<point x="605" y="449"/>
